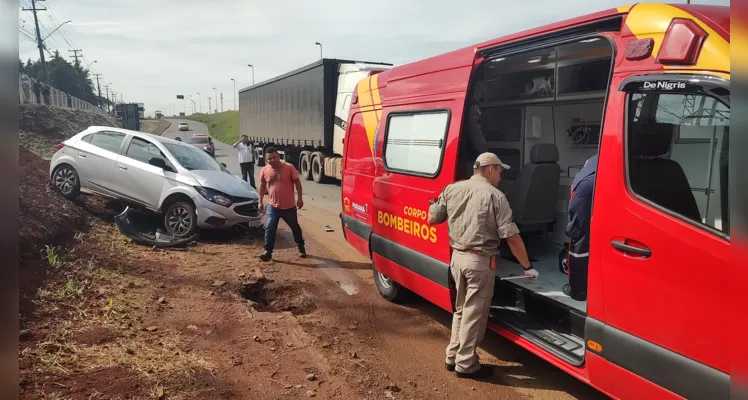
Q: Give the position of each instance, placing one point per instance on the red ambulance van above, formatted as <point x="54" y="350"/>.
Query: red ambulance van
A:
<point x="647" y="87"/>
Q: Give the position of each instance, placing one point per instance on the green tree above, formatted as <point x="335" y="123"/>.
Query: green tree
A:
<point x="71" y="79"/>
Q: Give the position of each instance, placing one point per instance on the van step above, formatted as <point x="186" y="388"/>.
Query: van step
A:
<point x="565" y="346"/>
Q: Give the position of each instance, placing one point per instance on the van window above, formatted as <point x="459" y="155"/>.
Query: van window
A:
<point x="678" y="148"/>
<point x="415" y="141"/>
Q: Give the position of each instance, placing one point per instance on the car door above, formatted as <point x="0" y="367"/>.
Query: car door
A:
<point x="95" y="155"/>
<point x="138" y="180"/>
<point x="660" y="238"/>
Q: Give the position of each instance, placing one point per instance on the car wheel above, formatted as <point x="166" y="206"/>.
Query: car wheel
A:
<point x="305" y="166"/>
<point x="389" y="289"/>
<point x="180" y="219"/>
<point x="65" y="180"/>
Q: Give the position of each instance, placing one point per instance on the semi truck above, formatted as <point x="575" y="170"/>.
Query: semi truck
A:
<point x="303" y="114"/>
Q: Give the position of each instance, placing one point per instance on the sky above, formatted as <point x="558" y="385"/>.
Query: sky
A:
<point x="152" y="50"/>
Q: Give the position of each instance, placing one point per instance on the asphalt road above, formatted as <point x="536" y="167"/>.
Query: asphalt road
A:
<point x="325" y="196"/>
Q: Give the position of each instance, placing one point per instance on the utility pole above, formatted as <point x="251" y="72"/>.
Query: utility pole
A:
<point x="216" y="92"/>
<point x="98" y="86"/>
<point x="39" y="41"/>
<point x="221" y="102"/>
<point x="235" y="107"/>
<point x="109" y="102"/>
<point x="114" y="103"/>
<point x="209" y="104"/>
<point x="75" y="55"/>
<point x="200" y="102"/>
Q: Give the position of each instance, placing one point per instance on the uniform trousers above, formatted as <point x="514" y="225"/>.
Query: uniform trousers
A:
<point x="474" y="283"/>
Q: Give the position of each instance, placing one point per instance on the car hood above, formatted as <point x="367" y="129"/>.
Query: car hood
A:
<point x="225" y="183"/>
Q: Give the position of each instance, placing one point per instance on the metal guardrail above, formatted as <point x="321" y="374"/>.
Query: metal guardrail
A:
<point x="33" y="91"/>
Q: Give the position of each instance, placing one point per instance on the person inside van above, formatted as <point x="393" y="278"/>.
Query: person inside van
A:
<point x="578" y="229"/>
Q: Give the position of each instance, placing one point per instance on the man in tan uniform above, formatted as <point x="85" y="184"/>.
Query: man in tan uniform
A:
<point x="478" y="217"/>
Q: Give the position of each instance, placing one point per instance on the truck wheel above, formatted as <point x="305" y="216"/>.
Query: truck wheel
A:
<point x="305" y="165"/>
<point x="389" y="289"/>
<point x="318" y="168"/>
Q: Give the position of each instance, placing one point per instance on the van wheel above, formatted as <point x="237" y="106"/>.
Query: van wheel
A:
<point x="318" y="174"/>
<point x="65" y="179"/>
<point x="305" y="165"/>
<point x="389" y="289"/>
<point x="180" y="219"/>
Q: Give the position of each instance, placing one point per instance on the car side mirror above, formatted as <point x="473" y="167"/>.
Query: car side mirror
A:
<point x="157" y="162"/>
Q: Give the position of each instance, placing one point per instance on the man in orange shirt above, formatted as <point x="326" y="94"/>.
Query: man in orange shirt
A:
<point x="278" y="179"/>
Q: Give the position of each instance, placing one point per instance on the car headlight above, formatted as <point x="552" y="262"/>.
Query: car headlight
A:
<point x="214" y="196"/>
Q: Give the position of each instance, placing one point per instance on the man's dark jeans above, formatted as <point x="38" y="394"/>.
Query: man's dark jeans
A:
<point x="248" y="169"/>
<point x="273" y="216"/>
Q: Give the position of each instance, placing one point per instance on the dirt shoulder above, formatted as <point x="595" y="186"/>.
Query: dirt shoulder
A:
<point x="103" y="318"/>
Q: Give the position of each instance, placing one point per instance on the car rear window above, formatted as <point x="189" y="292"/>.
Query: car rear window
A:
<point x="199" y="139"/>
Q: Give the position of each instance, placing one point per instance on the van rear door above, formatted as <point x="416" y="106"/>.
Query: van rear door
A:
<point x="660" y="239"/>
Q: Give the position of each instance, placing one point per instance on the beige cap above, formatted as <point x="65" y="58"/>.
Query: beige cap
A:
<point x="487" y="159"/>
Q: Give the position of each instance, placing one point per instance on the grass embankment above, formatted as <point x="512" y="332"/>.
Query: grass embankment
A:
<point x="223" y="126"/>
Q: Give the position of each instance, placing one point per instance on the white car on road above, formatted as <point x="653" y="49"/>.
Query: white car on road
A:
<point x="183" y="126"/>
<point x="183" y="183"/>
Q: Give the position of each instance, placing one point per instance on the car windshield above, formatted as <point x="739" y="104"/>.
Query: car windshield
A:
<point x="199" y="139"/>
<point x="192" y="158"/>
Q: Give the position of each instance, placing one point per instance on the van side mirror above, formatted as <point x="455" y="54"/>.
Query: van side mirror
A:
<point x="157" y="162"/>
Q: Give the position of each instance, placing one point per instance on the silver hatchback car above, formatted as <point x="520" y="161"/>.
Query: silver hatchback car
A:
<point x="183" y="183"/>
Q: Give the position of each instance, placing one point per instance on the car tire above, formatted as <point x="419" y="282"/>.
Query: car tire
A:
<point x="389" y="289"/>
<point x="66" y="181"/>
<point x="318" y="166"/>
<point x="305" y="166"/>
<point x="180" y="219"/>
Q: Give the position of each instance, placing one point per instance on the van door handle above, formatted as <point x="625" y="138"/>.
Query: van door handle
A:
<point x="81" y="155"/>
<point x="123" y="167"/>
<point x="621" y="246"/>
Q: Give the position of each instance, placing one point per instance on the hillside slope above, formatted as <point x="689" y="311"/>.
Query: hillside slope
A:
<point x="223" y="126"/>
<point x="41" y="128"/>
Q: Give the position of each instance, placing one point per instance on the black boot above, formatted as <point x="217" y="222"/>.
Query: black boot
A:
<point x="265" y="256"/>
<point x="302" y="252"/>
<point x="484" y="372"/>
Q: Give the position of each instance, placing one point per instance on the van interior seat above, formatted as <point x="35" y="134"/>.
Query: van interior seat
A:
<point x="659" y="179"/>
<point x="534" y="193"/>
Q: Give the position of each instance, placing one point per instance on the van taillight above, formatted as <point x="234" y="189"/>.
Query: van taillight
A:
<point x="59" y="146"/>
<point x="682" y="43"/>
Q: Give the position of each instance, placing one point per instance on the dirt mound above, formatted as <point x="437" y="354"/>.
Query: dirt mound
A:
<point x="42" y="127"/>
<point x="44" y="215"/>
<point x="276" y="297"/>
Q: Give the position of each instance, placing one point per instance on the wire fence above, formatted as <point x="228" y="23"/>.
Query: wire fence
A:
<point x="33" y="91"/>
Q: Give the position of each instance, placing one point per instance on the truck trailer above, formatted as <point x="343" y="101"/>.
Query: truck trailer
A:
<point x="303" y="114"/>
